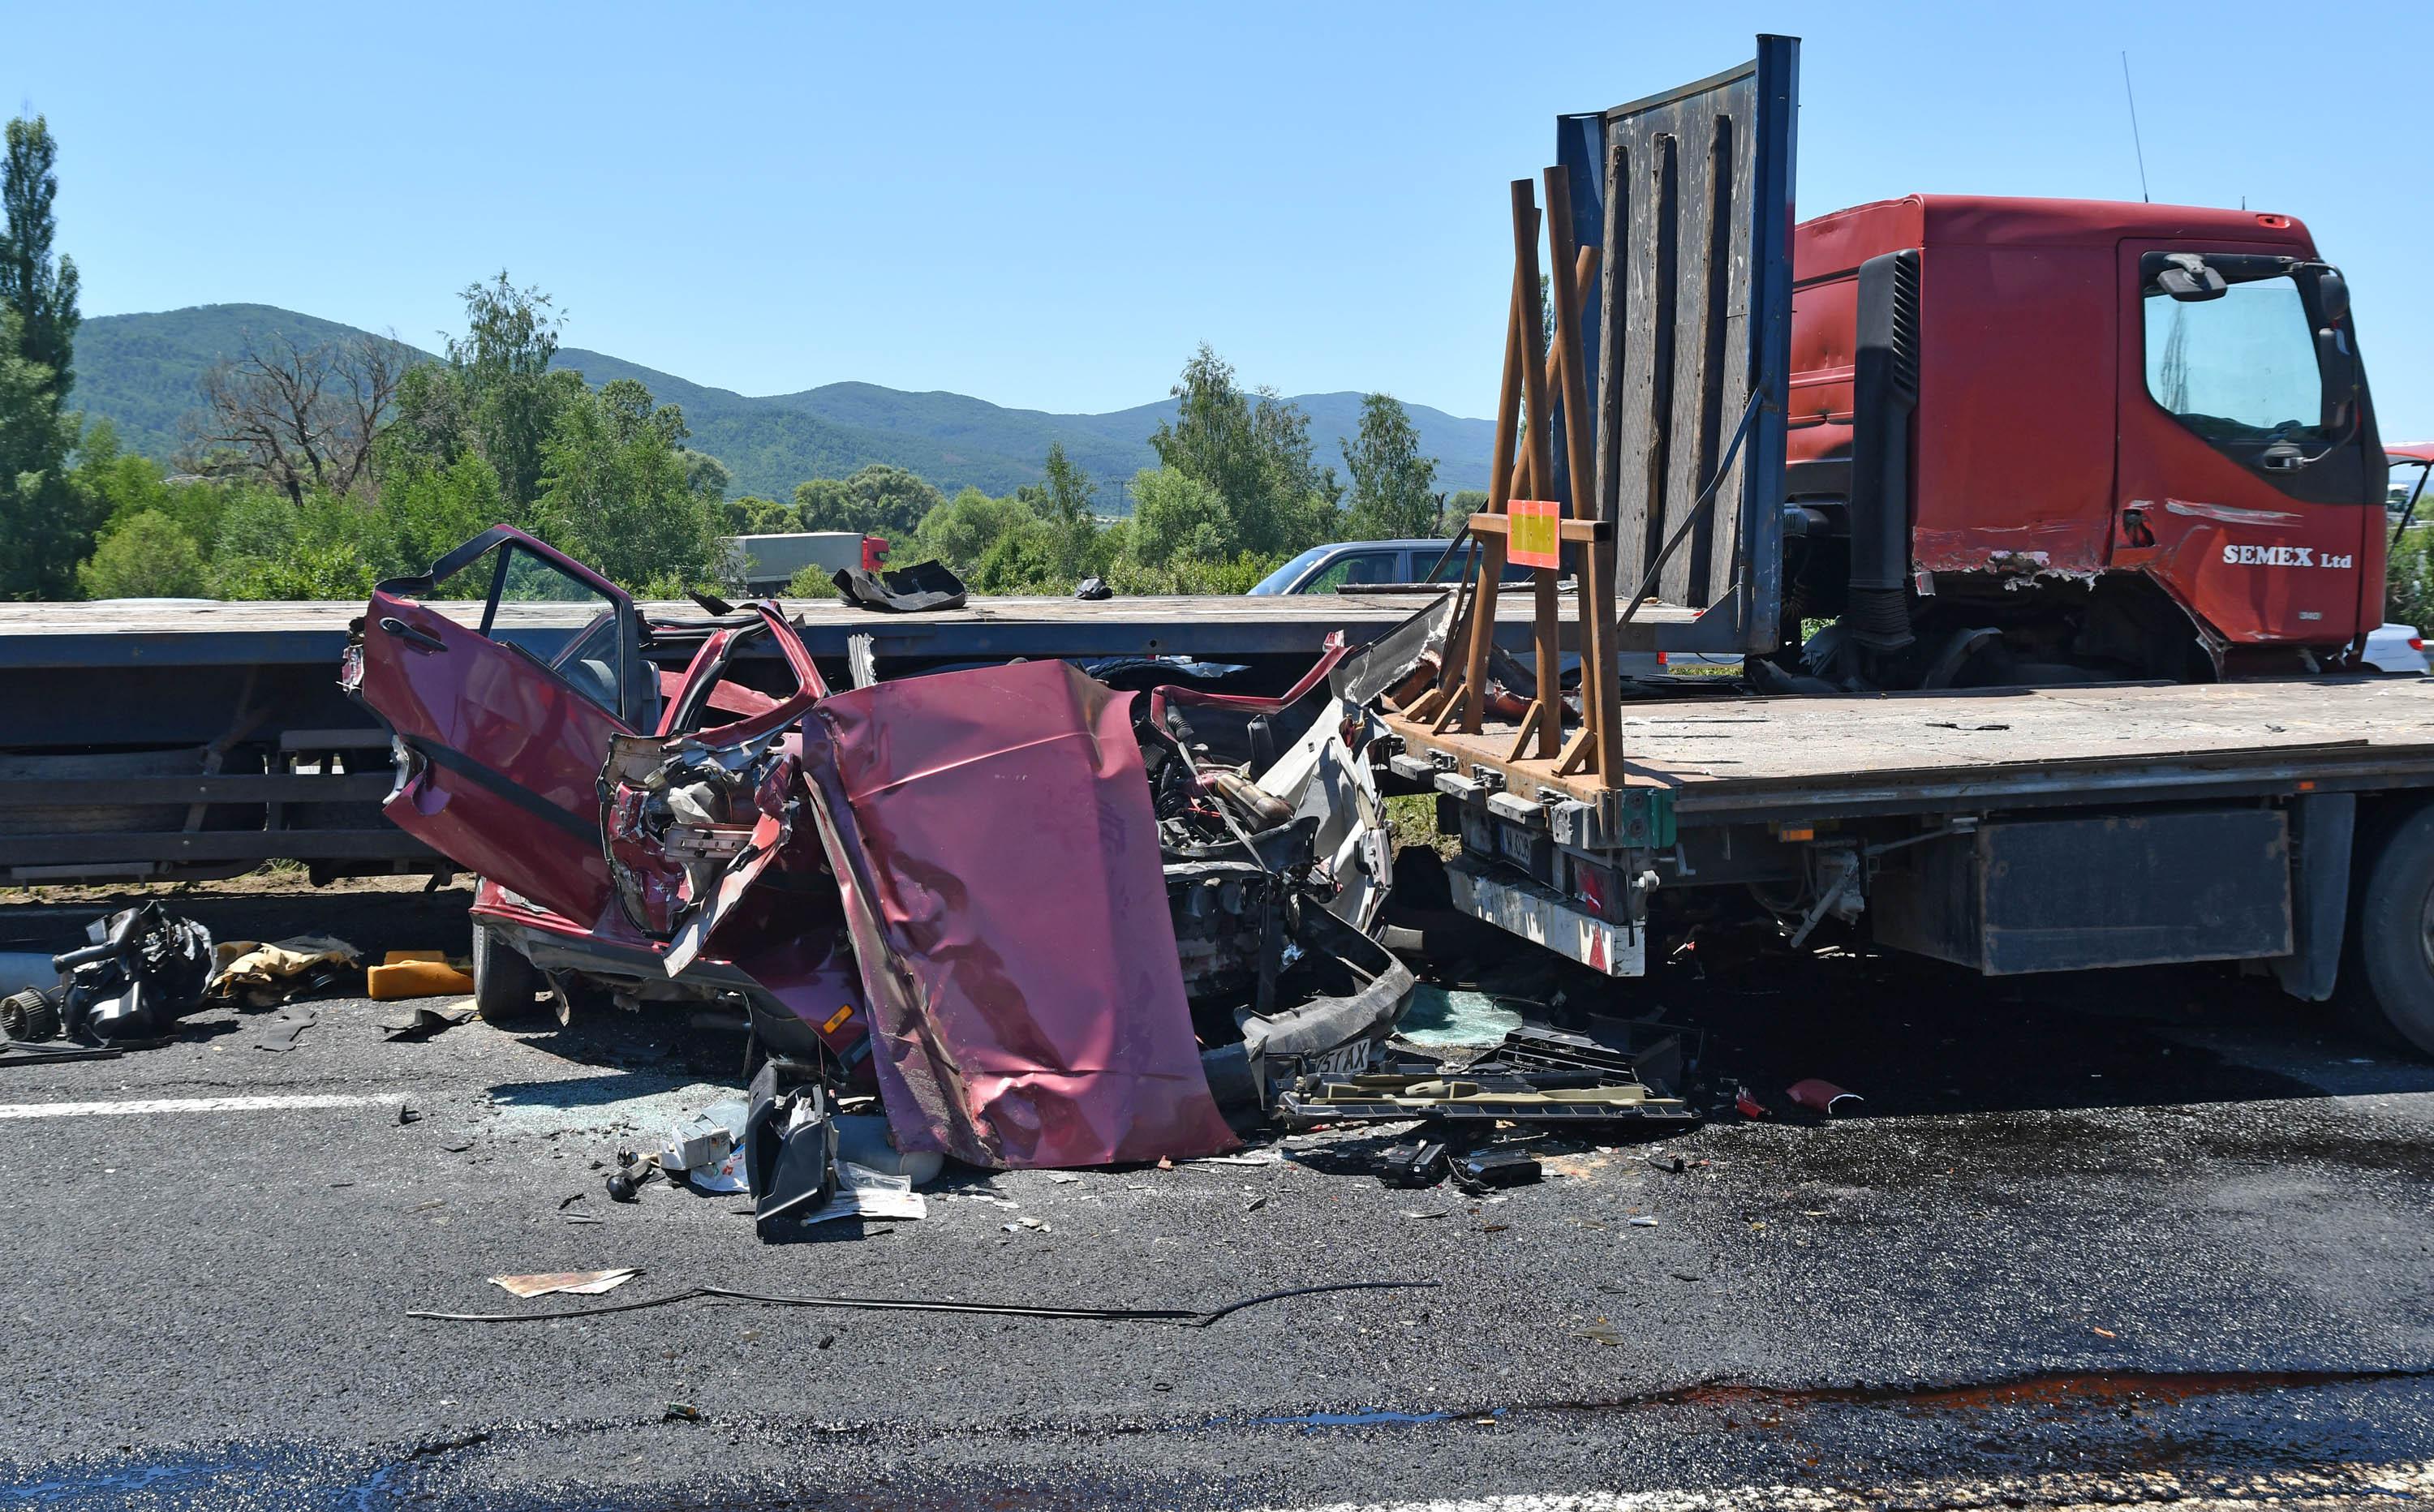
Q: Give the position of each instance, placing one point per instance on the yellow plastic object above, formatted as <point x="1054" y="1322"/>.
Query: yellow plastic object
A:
<point x="415" y="974"/>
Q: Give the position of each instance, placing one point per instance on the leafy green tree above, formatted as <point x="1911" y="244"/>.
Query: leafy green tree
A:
<point x="752" y="514"/>
<point x="425" y="512"/>
<point x="147" y="556"/>
<point x="2408" y="578"/>
<point x="270" y="547"/>
<point x="1460" y="508"/>
<point x="1069" y="493"/>
<point x="814" y="582"/>
<point x="122" y="490"/>
<point x="963" y="529"/>
<point x="42" y="290"/>
<point x="877" y="500"/>
<point x="47" y="522"/>
<point x="1393" y="485"/>
<point x="706" y="474"/>
<point x="494" y="396"/>
<point x="1177" y="515"/>
<point x="1021" y="561"/>
<point x="615" y="492"/>
<point x="1254" y="449"/>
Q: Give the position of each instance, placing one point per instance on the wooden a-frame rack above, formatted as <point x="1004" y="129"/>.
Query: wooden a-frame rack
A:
<point x="1523" y="472"/>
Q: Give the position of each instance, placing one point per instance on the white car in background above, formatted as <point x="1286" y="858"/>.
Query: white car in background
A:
<point x="2395" y="648"/>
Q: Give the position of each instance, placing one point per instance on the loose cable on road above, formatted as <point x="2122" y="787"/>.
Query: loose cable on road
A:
<point x="1178" y="1316"/>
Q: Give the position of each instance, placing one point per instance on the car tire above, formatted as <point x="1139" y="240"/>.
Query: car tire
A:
<point x="2391" y="933"/>
<point x="504" y="983"/>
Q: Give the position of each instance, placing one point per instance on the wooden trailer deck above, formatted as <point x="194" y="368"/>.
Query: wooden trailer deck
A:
<point x="1723" y="759"/>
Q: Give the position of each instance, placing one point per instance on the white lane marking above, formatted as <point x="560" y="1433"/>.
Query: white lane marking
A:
<point x="261" y="1103"/>
<point x="2328" y="1486"/>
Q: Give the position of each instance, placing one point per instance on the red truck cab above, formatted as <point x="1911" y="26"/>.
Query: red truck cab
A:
<point x="2076" y="398"/>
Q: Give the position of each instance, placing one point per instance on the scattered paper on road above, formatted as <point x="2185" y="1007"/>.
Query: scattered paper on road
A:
<point x="573" y="1282"/>
<point x="864" y="1193"/>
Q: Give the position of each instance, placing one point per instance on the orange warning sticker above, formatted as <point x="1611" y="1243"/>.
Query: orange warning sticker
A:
<point x="1534" y="540"/>
<point x="836" y="1019"/>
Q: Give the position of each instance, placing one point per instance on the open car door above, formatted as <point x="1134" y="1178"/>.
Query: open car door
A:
<point x="500" y="750"/>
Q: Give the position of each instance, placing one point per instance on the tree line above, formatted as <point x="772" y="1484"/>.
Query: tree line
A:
<point x="315" y="470"/>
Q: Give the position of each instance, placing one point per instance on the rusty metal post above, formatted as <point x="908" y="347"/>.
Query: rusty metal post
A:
<point x="1601" y="665"/>
<point x="1472" y="703"/>
<point x="1547" y="716"/>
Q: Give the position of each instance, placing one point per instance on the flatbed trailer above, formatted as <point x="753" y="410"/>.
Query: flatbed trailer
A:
<point x="2286" y="823"/>
<point x="159" y="738"/>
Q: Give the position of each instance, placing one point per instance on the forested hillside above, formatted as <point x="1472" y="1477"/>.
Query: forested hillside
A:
<point x="144" y="372"/>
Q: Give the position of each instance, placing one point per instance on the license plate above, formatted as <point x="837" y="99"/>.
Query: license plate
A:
<point x="1343" y="1060"/>
<point x="1516" y="843"/>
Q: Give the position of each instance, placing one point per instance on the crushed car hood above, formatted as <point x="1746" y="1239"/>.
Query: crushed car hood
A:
<point x="994" y="838"/>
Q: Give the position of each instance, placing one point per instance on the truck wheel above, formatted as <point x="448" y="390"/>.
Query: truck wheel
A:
<point x="2392" y="933"/>
<point x="504" y="983"/>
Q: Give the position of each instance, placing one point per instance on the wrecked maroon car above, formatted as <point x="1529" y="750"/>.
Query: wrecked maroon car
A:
<point x="1048" y="922"/>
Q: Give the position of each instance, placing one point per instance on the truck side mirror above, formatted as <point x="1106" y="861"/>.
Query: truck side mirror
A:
<point x="2333" y="295"/>
<point x="2185" y="277"/>
<point x="2339" y="365"/>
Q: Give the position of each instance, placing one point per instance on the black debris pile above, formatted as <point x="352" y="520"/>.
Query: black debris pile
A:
<point x="1537" y="1078"/>
<point x="145" y="969"/>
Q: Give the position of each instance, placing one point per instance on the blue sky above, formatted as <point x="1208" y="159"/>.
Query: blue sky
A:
<point x="1048" y="205"/>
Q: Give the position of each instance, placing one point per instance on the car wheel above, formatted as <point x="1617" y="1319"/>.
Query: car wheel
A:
<point x="2392" y="933"/>
<point x="504" y="983"/>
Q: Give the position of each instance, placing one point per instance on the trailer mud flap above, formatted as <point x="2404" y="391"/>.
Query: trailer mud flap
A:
<point x="1545" y="917"/>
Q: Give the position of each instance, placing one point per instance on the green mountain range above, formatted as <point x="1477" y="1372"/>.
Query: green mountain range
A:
<point x="143" y="373"/>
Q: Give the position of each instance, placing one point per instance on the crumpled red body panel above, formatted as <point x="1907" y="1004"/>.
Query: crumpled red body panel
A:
<point x="999" y="859"/>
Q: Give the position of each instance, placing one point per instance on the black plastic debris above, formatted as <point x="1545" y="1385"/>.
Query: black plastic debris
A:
<point x="920" y="588"/>
<point x="1490" y="1169"/>
<point x="425" y="1023"/>
<point x="790" y="1143"/>
<point x="146" y="969"/>
<point x="1094" y="590"/>
<point x="1652" y="1054"/>
<point x="1410" y="1166"/>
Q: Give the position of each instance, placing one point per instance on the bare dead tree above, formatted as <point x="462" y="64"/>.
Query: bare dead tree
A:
<point x="298" y="418"/>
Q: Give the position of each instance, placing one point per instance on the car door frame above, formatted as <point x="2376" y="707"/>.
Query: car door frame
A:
<point x="476" y="798"/>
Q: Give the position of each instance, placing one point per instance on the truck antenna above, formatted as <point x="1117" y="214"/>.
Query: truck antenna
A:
<point x="2135" y="144"/>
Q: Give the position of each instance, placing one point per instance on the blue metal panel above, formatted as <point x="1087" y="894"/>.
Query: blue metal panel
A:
<point x="1769" y="335"/>
<point x="1580" y="150"/>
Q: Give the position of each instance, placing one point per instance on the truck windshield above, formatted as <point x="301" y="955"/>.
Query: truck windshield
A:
<point x="2239" y="368"/>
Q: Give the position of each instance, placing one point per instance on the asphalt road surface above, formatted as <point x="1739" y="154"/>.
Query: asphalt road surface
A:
<point x="2164" y="1238"/>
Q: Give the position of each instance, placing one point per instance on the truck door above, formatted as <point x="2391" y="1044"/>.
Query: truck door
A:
<point x="2242" y="485"/>
<point x="501" y="748"/>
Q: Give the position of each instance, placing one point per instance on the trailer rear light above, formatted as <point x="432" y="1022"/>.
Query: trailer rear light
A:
<point x="2277" y="222"/>
<point x="1797" y="832"/>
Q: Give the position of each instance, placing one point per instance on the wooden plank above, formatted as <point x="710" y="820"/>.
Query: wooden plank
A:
<point x="1613" y="280"/>
<point x="1692" y="125"/>
<point x="1728" y="359"/>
